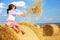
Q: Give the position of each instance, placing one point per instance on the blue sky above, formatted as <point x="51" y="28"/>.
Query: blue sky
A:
<point x="50" y="14"/>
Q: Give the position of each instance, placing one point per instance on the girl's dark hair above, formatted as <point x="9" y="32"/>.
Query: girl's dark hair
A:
<point x="10" y="7"/>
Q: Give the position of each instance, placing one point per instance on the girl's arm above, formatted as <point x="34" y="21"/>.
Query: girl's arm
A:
<point x="18" y="14"/>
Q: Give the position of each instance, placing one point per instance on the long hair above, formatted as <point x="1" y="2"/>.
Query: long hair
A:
<point x="10" y="7"/>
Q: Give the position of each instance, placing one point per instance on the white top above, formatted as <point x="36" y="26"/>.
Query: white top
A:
<point x="12" y="14"/>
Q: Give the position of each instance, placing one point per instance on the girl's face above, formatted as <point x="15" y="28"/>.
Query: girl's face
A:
<point x="13" y="8"/>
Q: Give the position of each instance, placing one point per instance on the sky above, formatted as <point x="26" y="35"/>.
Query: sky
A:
<point x="50" y="14"/>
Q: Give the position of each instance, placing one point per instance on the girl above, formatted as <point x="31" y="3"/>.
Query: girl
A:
<point x="11" y="18"/>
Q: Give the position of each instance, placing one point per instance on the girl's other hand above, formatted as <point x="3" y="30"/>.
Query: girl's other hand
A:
<point x="23" y="14"/>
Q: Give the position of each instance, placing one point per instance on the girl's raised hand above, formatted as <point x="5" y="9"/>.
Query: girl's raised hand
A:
<point x="23" y="14"/>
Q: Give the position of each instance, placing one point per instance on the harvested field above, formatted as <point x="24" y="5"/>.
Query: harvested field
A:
<point x="32" y="32"/>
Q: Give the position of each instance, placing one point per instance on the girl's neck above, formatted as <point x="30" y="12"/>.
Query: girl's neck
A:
<point x="13" y="10"/>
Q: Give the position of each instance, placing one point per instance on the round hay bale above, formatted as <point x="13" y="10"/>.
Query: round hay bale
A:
<point x="50" y="29"/>
<point x="1" y="26"/>
<point x="7" y="33"/>
<point x="29" y="33"/>
<point x="35" y="28"/>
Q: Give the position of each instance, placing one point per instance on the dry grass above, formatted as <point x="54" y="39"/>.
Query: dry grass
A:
<point x="32" y="32"/>
<point x="7" y="33"/>
<point x="38" y="31"/>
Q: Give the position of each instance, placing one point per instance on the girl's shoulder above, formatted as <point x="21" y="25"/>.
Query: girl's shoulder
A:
<point x="18" y="10"/>
<point x="12" y="11"/>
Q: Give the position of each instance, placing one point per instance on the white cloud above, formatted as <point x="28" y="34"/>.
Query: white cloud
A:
<point x="19" y="3"/>
<point x="2" y="5"/>
<point x="4" y="15"/>
<point x="48" y="19"/>
<point x="0" y="10"/>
